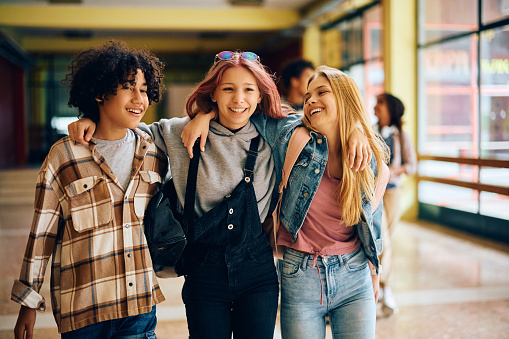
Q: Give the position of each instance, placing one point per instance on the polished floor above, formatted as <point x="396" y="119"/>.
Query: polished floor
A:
<point x="447" y="284"/>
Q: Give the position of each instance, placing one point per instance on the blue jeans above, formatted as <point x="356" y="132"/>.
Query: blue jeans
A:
<point x="135" y="327"/>
<point x="344" y="286"/>
<point x="241" y="299"/>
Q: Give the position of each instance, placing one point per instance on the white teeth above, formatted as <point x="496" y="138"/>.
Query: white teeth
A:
<point x="238" y="110"/>
<point x="136" y="111"/>
<point x="316" y="110"/>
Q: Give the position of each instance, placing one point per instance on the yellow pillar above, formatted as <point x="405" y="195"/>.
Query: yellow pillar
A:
<point x="311" y="45"/>
<point x="400" y="67"/>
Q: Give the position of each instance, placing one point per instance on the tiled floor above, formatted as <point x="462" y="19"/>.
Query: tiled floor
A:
<point x="447" y="284"/>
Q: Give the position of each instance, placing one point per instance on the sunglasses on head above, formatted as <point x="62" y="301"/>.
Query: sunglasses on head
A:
<point x="228" y="55"/>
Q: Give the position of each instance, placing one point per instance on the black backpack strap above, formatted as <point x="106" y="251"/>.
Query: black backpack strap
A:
<point x="251" y="158"/>
<point x="192" y="174"/>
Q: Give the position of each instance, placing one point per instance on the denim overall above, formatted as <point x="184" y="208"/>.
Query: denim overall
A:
<point x="230" y="278"/>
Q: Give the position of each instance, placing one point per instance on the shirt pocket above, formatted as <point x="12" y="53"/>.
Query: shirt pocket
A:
<point x="148" y="184"/>
<point x="90" y="203"/>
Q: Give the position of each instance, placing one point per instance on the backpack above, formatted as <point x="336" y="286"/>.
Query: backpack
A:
<point x="166" y="228"/>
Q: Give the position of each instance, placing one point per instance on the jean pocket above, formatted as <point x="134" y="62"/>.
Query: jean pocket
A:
<point x="356" y="260"/>
<point x="290" y="269"/>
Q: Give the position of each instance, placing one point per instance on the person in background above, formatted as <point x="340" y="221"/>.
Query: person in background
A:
<point x="389" y="110"/>
<point x="90" y="203"/>
<point x="295" y="78"/>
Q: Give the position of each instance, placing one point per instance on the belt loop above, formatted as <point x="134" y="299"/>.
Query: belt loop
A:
<point x="305" y="259"/>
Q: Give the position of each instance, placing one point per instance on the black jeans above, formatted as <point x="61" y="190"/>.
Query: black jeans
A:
<point x="243" y="302"/>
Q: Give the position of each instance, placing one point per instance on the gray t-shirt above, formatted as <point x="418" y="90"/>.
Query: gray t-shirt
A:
<point x="221" y="166"/>
<point x="119" y="155"/>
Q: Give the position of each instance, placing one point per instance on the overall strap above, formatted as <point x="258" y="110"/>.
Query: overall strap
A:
<point x="192" y="174"/>
<point x="251" y="159"/>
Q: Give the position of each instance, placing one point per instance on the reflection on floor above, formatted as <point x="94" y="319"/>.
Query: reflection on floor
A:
<point x="447" y="284"/>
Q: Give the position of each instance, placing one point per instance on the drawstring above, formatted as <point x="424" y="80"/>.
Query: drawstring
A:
<point x="314" y="264"/>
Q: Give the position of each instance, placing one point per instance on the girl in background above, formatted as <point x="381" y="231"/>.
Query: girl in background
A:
<point x="389" y="110"/>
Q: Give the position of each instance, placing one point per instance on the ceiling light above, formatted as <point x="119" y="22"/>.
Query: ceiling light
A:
<point x="65" y="1"/>
<point x="246" y="2"/>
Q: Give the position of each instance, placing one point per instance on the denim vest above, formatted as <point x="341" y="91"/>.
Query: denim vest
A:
<point x="305" y="178"/>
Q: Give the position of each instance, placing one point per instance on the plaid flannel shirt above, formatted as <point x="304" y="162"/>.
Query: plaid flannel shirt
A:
<point x="101" y="266"/>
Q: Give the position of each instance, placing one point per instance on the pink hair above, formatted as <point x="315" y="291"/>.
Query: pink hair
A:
<point x="200" y="99"/>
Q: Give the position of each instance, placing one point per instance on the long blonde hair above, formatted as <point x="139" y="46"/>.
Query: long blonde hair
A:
<point x="351" y="112"/>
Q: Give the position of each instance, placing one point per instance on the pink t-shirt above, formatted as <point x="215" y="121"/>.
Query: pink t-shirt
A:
<point x="323" y="231"/>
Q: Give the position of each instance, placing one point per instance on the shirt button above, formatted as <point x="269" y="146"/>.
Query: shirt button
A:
<point x="297" y="215"/>
<point x="230" y="211"/>
<point x="306" y="195"/>
<point x="144" y="147"/>
<point x="129" y="255"/>
<point x="126" y="225"/>
<point x="130" y="284"/>
<point x="319" y="141"/>
<point x="317" y="171"/>
<point x="230" y="226"/>
<point x="85" y="186"/>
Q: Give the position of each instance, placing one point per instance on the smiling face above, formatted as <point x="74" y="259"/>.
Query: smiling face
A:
<point x="123" y="110"/>
<point x="237" y="96"/>
<point x="320" y="106"/>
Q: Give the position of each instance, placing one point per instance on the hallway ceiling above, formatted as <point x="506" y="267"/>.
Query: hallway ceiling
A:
<point x="216" y="4"/>
<point x="176" y="27"/>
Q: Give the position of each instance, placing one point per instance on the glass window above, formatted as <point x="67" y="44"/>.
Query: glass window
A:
<point x="494" y="10"/>
<point x="448" y="170"/>
<point x="495" y="94"/>
<point x="494" y="176"/>
<point x="351" y="41"/>
<point x="447" y="105"/>
<point x="373" y="33"/>
<point x="464" y="101"/>
<point x="458" y="198"/>
<point x="374" y="85"/>
<point x="355" y="47"/>
<point x="445" y="18"/>
<point x="494" y="205"/>
<point x="356" y="72"/>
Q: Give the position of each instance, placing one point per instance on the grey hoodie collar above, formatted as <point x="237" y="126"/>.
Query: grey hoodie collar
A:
<point x="246" y="133"/>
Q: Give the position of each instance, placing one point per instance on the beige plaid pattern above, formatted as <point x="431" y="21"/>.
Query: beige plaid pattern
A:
<point x="101" y="267"/>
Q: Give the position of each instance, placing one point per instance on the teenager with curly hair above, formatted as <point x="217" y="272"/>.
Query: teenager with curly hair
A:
<point x="90" y="202"/>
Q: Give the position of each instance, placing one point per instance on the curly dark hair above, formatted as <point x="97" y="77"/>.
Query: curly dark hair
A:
<point x="96" y="73"/>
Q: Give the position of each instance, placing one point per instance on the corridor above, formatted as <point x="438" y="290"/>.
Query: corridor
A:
<point x="447" y="284"/>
